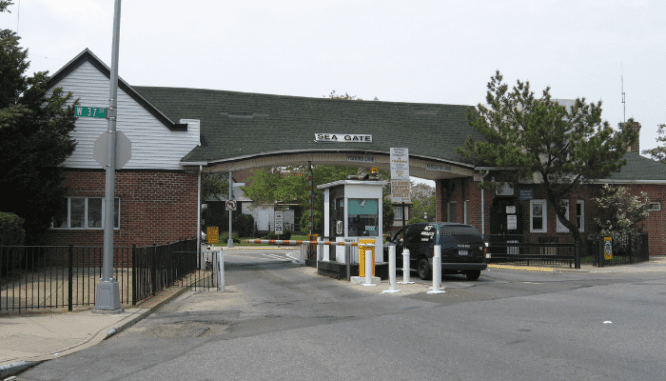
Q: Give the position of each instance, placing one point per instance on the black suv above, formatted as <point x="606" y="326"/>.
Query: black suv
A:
<point x="463" y="248"/>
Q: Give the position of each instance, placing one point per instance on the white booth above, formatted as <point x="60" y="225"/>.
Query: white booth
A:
<point x="352" y="211"/>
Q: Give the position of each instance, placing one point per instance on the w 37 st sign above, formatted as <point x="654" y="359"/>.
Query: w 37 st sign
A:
<point x="90" y="112"/>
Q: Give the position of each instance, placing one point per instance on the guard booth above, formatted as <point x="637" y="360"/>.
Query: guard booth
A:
<point x="352" y="211"/>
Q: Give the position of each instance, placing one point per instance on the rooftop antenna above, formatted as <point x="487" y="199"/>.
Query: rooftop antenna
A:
<point x="624" y="105"/>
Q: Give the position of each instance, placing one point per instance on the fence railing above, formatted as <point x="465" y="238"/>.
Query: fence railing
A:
<point x="51" y="277"/>
<point x="531" y="250"/>
<point x="624" y="249"/>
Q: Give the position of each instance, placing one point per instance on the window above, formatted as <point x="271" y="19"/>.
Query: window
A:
<point x="397" y="211"/>
<point x="452" y="211"/>
<point x="538" y="216"/>
<point x="560" y="226"/>
<point x="654" y="207"/>
<point x="85" y="213"/>
<point x="580" y="215"/>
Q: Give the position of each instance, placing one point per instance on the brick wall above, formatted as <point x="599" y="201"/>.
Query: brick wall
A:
<point x="155" y="207"/>
<point x="462" y="189"/>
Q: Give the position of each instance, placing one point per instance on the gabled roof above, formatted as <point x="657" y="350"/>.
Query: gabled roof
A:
<point x="88" y="56"/>
<point x="237" y="124"/>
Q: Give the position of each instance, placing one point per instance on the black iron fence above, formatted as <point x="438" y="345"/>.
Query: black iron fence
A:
<point x="532" y="250"/>
<point x="51" y="277"/>
<point x="618" y="249"/>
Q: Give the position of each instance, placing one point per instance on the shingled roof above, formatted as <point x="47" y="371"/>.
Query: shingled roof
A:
<point x="237" y="124"/>
<point x="639" y="169"/>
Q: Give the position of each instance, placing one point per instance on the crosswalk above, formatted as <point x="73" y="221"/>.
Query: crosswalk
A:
<point x="287" y="256"/>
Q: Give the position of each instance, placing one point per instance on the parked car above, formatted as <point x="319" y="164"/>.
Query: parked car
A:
<point x="463" y="248"/>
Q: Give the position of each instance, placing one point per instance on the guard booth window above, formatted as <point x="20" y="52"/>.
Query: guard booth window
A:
<point x="363" y="217"/>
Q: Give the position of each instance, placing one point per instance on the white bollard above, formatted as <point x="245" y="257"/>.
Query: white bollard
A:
<point x="368" y="266"/>
<point x="405" y="267"/>
<point x="220" y="271"/>
<point x="437" y="271"/>
<point x="391" y="272"/>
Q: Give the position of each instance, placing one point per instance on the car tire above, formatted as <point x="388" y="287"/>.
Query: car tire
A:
<point x="473" y="274"/>
<point x="424" y="270"/>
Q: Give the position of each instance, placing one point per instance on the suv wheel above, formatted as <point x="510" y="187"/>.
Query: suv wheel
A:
<point x="424" y="270"/>
<point x="473" y="274"/>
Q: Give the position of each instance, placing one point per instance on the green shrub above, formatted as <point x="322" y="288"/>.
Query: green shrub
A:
<point x="11" y="230"/>
<point x="415" y="220"/>
<point x="224" y="238"/>
<point x="244" y="225"/>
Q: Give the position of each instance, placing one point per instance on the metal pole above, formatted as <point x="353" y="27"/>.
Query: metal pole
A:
<point x="220" y="269"/>
<point x="436" y="271"/>
<point x="391" y="272"/>
<point x="405" y="267"/>
<point x="368" y="266"/>
<point x="108" y="290"/>
<point x="199" y="255"/>
<point x="230" y="241"/>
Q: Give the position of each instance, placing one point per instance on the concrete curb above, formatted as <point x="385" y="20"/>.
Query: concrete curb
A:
<point x="16" y="367"/>
<point x="101" y="335"/>
<point x="145" y="313"/>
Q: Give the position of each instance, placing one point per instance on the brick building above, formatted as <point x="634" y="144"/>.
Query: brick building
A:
<point x="177" y="134"/>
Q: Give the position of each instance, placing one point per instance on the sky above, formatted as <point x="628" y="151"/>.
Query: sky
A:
<point x="439" y="51"/>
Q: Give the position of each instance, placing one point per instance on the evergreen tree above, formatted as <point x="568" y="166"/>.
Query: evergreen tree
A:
<point x="555" y="146"/>
<point x="34" y="138"/>
<point x="659" y="153"/>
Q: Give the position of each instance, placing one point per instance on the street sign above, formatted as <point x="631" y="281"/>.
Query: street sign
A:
<point x="231" y="205"/>
<point x="90" y="112"/>
<point x="400" y="191"/>
<point x="213" y="234"/>
<point x="608" y="248"/>
<point x="279" y="220"/>
<point x="399" y="163"/>
<point x="123" y="149"/>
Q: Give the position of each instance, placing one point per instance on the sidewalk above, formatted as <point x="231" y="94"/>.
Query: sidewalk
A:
<point x="31" y="338"/>
<point x="656" y="264"/>
<point x="37" y="336"/>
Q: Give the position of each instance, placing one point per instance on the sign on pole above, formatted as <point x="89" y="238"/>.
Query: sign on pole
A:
<point x="213" y="234"/>
<point x="231" y="205"/>
<point x="400" y="175"/>
<point x="123" y="149"/>
<point x="279" y="220"/>
<point x="90" y="112"/>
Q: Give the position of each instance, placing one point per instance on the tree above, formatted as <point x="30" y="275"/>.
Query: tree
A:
<point x="558" y="147"/>
<point x="214" y="185"/>
<point x="346" y="97"/>
<point x="423" y="201"/>
<point x="270" y="185"/>
<point x="34" y="139"/>
<point x="658" y="153"/>
<point x="619" y="211"/>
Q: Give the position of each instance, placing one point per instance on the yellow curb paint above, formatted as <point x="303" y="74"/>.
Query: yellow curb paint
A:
<point x="508" y="267"/>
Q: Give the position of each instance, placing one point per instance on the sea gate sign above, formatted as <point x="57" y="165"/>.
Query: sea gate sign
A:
<point x="342" y="138"/>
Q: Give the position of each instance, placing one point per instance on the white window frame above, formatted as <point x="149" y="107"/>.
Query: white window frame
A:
<point x="466" y="212"/>
<point x="451" y="206"/>
<point x="398" y="210"/>
<point x="560" y="226"/>
<point x="544" y="217"/>
<point x="86" y="215"/>
<point x="580" y="219"/>
<point x="654" y="207"/>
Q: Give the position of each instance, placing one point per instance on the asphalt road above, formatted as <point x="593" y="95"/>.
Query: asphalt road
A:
<point x="279" y="321"/>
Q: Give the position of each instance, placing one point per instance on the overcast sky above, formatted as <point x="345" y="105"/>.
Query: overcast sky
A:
<point x="405" y="51"/>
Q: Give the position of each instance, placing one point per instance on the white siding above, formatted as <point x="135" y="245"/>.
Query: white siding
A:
<point x="154" y="146"/>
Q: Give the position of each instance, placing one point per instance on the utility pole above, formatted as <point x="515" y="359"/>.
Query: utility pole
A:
<point x="108" y="291"/>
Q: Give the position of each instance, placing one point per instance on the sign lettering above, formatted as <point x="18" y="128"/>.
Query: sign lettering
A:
<point x="342" y="138"/>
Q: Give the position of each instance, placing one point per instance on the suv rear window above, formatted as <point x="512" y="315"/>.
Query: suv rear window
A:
<point x="461" y="233"/>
